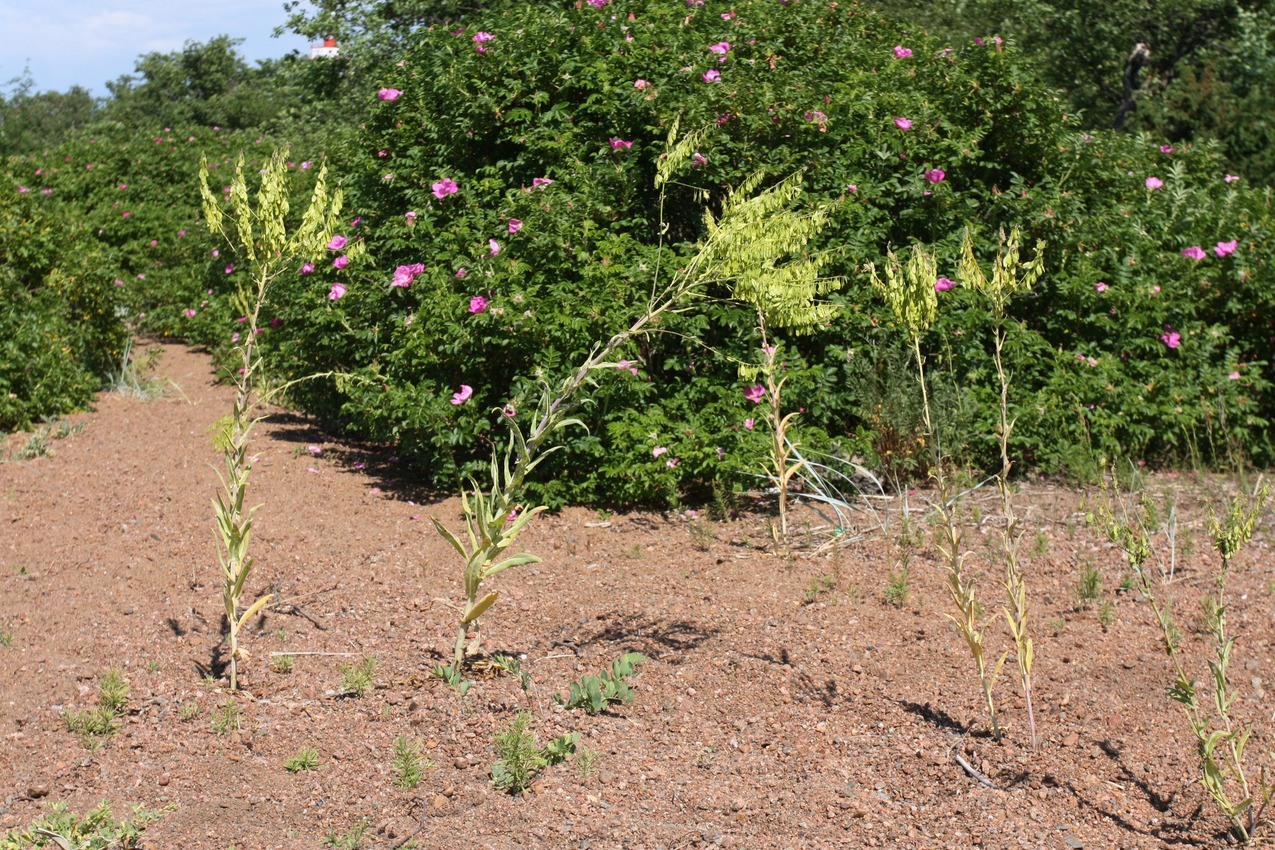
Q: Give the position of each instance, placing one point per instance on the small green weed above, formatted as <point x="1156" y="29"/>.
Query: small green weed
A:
<point x="452" y="677"/>
<point x="351" y="840"/>
<point x="1056" y="625"/>
<point x="818" y="587"/>
<point x="586" y="761"/>
<point x="190" y="711"/>
<point x="227" y="718"/>
<point x="39" y="444"/>
<point x="897" y="592"/>
<point x="95" y="725"/>
<point x="359" y="678"/>
<point x="96" y="830"/>
<point x="511" y="665"/>
<point x="520" y="758"/>
<point x="307" y="758"/>
<point x="595" y="693"/>
<point x="284" y="663"/>
<point x="1089" y="587"/>
<point x="6" y="639"/>
<point x="409" y="766"/>
<point x="1040" y="545"/>
<point x="1106" y="614"/>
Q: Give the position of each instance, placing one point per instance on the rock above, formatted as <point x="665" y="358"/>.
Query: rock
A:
<point x="1071" y="739"/>
<point x="36" y="792"/>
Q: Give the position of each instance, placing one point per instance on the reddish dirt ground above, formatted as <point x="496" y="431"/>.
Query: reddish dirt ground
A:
<point x="785" y="702"/>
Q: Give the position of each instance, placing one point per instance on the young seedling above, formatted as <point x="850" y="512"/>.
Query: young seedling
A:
<point x="520" y="758"/>
<point x="595" y="693"/>
<point x="227" y="718"/>
<point x="359" y="678"/>
<point x="270" y="250"/>
<point x="409" y="766"/>
<point x="306" y="759"/>
<point x="95" y="725"/>
<point x="96" y="830"/>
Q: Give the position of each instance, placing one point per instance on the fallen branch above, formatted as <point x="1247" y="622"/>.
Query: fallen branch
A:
<point x="969" y="768"/>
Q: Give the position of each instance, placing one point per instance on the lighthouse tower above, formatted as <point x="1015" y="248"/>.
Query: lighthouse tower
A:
<point x="327" y="49"/>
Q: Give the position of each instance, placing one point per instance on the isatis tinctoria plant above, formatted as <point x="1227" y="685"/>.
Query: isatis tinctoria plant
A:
<point x="1220" y="738"/>
<point x="1009" y="277"/>
<point x="754" y="246"/>
<point x="909" y="288"/>
<point x="272" y="243"/>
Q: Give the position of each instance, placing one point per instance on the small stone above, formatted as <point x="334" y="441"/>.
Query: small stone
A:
<point x="737" y="805"/>
<point x="165" y="778"/>
<point x="460" y="763"/>
<point x="439" y="801"/>
<point x="35" y="792"/>
<point x="1070" y="740"/>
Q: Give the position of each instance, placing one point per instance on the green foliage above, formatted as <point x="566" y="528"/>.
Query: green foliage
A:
<point x="409" y="766"/>
<point x="359" y="678"/>
<point x="520" y="758"/>
<point x="595" y="693"/>
<point x="228" y="717"/>
<point x="1089" y="586"/>
<point x="94" y="726"/>
<point x="59" y="333"/>
<point x="453" y="677"/>
<point x="351" y="840"/>
<point x="307" y="758"/>
<point x="95" y="830"/>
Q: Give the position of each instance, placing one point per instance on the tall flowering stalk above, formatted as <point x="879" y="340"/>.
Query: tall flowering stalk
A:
<point x="909" y="289"/>
<point x="1220" y="739"/>
<point x="261" y="234"/>
<point x="745" y="247"/>
<point x="777" y="466"/>
<point x="1009" y="277"/>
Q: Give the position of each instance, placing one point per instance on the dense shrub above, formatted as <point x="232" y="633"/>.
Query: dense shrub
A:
<point x="59" y="329"/>
<point x="506" y="169"/>
<point x="584" y="98"/>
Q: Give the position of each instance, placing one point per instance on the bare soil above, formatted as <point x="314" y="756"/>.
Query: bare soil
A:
<point x="785" y="701"/>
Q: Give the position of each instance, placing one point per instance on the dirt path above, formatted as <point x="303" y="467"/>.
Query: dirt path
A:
<point x="776" y="708"/>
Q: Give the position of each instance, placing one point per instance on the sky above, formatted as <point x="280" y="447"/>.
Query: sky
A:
<point x="89" y="42"/>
